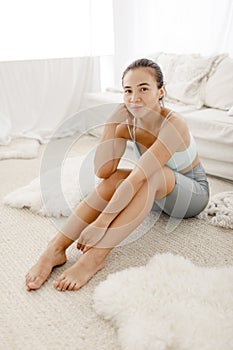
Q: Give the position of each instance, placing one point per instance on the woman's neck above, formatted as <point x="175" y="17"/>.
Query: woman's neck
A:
<point x="152" y="120"/>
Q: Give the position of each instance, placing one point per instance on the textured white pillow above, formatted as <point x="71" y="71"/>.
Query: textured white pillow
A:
<point x="219" y="87"/>
<point x="185" y="76"/>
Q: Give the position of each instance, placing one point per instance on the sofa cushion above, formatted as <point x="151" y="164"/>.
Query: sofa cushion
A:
<point x="211" y="125"/>
<point x="218" y="168"/>
<point x="214" y="150"/>
<point x="219" y="87"/>
<point x="185" y="76"/>
<point x="92" y="99"/>
<point x="213" y="132"/>
<point x="96" y="108"/>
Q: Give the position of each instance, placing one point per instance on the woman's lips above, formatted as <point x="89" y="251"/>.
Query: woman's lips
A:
<point x="136" y="107"/>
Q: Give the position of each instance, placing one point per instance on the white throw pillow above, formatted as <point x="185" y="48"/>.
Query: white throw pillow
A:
<point x="219" y="87"/>
<point x="185" y="76"/>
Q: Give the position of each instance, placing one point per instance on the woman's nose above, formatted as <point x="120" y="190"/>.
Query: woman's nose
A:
<point x="134" y="97"/>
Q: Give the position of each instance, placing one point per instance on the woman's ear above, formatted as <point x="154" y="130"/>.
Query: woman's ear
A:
<point x="162" y="92"/>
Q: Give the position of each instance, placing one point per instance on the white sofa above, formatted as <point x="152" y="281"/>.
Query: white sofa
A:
<point x="201" y="89"/>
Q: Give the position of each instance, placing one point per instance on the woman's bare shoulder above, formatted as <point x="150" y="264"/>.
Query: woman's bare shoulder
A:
<point x="177" y="121"/>
<point x="174" y="131"/>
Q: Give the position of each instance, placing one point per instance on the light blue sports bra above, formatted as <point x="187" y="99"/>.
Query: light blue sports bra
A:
<point x="179" y="160"/>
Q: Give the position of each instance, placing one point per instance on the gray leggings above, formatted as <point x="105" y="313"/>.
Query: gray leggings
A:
<point x="189" y="197"/>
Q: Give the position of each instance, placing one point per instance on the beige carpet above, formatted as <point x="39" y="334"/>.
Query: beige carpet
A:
<point x="47" y="319"/>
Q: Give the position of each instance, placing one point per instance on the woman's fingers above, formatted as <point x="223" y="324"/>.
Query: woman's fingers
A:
<point x="80" y="246"/>
<point x="86" y="248"/>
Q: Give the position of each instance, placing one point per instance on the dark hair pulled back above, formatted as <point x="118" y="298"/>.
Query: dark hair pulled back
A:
<point x="146" y="63"/>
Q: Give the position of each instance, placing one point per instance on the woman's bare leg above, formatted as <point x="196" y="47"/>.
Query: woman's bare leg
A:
<point x="94" y="259"/>
<point x="85" y="213"/>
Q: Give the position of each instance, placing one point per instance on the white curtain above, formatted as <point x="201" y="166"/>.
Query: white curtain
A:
<point x="36" y="96"/>
<point x="50" y="56"/>
<point x="38" y="89"/>
<point x="143" y="27"/>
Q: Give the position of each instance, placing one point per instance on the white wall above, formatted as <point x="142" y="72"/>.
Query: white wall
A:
<point x="42" y="29"/>
<point x="181" y="26"/>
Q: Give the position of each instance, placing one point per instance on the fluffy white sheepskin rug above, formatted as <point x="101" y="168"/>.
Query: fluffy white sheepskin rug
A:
<point x="169" y="304"/>
<point x="59" y="190"/>
<point x="56" y="192"/>
<point x="20" y="148"/>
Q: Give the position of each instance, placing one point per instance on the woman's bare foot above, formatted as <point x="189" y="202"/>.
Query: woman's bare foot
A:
<point x="82" y="271"/>
<point x="53" y="256"/>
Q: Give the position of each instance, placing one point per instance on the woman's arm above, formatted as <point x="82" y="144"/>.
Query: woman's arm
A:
<point x="169" y="140"/>
<point x="110" y="148"/>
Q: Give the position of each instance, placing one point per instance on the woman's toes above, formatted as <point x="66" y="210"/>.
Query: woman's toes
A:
<point x="34" y="283"/>
<point x="40" y="272"/>
<point x="65" y="285"/>
<point x="77" y="286"/>
<point x="71" y="286"/>
<point x="29" y="282"/>
<point x="28" y="279"/>
<point x="58" y="283"/>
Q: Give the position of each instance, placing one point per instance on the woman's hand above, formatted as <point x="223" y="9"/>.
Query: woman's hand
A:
<point x="90" y="236"/>
<point x="120" y="115"/>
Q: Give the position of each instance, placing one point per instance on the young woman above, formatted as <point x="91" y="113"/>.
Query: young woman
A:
<point x="168" y="175"/>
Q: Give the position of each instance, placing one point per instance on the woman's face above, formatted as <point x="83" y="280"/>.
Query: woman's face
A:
<point x="141" y="92"/>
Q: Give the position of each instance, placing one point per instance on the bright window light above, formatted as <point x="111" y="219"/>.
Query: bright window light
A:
<point x="41" y="29"/>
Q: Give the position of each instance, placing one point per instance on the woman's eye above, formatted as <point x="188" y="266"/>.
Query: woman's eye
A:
<point x="128" y="91"/>
<point x="143" y="89"/>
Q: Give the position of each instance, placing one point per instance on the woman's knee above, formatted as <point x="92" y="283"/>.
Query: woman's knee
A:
<point x="163" y="182"/>
<point x="110" y="184"/>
